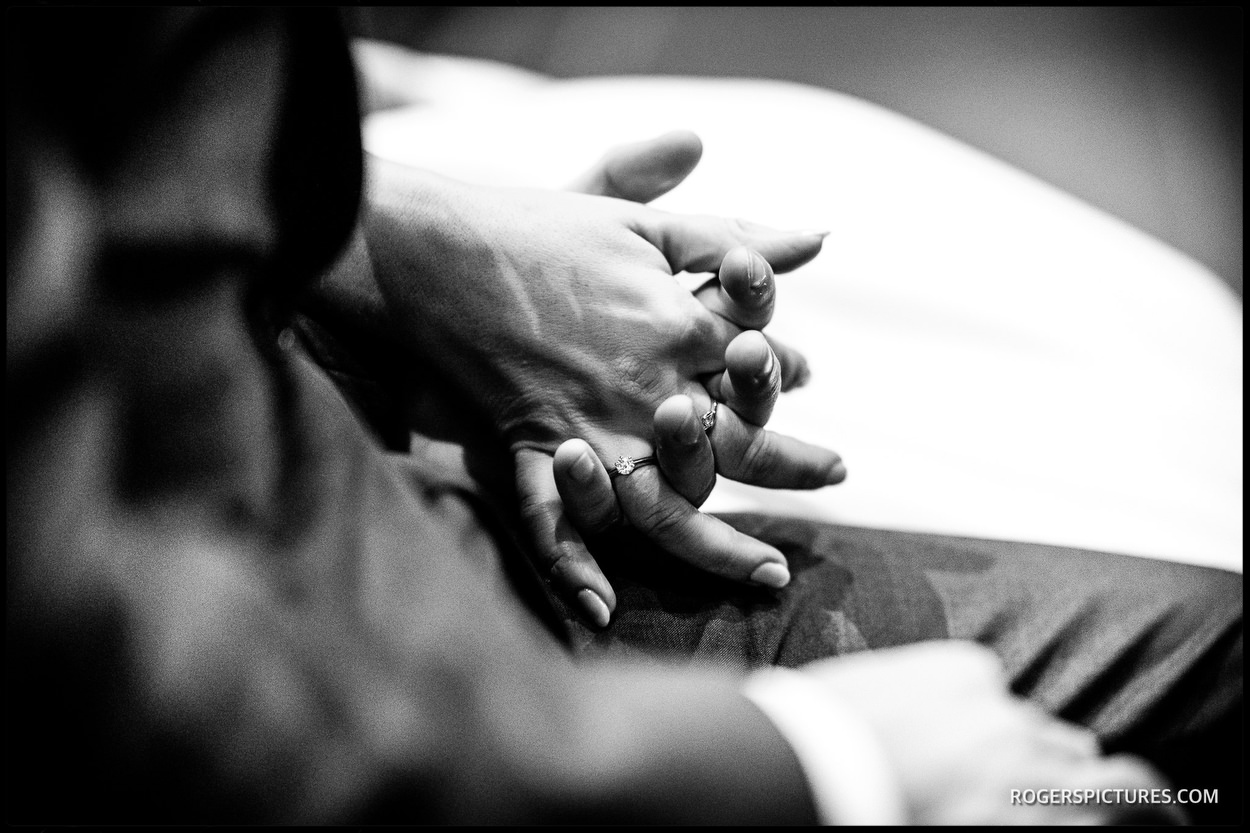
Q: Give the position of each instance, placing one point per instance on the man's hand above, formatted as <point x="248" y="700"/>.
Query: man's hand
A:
<point x="664" y="503"/>
<point x="959" y="743"/>
<point x="556" y="315"/>
<point x="646" y="170"/>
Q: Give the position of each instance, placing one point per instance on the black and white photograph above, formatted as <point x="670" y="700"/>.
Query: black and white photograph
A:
<point x="643" y="416"/>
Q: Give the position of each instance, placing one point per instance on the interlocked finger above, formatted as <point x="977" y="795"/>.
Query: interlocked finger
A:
<point x="668" y="519"/>
<point x="751" y="382"/>
<point x="562" y="552"/>
<point x="795" y="372"/>
<point x="698" y="243"/>
<point x="746" y="292"/>
<point x="684" y="450"/>
<point x="751" y="454"/>
<point x="701" y="347"/>
<point x="585" y="487"/>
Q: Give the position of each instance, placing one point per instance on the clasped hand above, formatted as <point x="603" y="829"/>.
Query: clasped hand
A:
<point x="556" y="315"/>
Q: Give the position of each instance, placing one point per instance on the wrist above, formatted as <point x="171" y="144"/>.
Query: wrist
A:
<point x="392" y="252"/>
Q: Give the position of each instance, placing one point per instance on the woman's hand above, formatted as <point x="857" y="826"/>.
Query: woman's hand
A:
<point x="691" y="445"/>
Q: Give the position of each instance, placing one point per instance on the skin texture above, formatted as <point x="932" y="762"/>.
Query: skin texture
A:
<point x="597" y="335"/>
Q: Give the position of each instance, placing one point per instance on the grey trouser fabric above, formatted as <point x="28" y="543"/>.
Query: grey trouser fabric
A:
<point x="1146" y="653"/>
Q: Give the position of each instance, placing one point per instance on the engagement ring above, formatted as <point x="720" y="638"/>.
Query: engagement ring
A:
<point x="709" y="419"/>
<point x="625" y="465"/>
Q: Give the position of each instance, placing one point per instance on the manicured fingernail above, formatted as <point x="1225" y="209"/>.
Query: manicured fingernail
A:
<point x="583" y="469"/>
<point x="766" y="371"/>
<point x="771" y="574"/>
<point x="594" y="607"/>
<point x="836" y="474"/>
<point x="757" y="273"/>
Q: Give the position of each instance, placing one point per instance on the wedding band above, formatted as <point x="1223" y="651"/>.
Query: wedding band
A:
<point x="709" y="419"/>
<point x="625" y="465"/>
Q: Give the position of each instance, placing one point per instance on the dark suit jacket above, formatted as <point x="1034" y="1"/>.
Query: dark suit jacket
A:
<point x="229" y="603"/>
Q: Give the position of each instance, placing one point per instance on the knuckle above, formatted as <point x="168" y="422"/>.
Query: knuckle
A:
<point x="537" y="512"/>
<point x="638" y="378"/>
<point x="564" y="566"/>
<point x="599" y="517"/>
<point x="664" y="521"/>
<point x="756" y="455"/>
<point x="692" y="332"/>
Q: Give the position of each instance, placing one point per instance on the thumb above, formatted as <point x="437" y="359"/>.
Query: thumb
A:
<point x="562" y="554"/>
<point x="642" y="171"/>
<point x="698" y="243"/>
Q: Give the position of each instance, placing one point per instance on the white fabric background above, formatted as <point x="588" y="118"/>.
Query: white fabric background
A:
<point x="992" y="357"/>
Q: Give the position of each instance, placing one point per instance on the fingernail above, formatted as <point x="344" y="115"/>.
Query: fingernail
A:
<point x="771" y="574"/>
<point x="766" y="371"/>
<point x="757" y="273"/>
<point x="813" y="233"/>
<point x="583" y="469"/>
<point x="594" y="607"/>
<point x="688" y="431"/>
<point x="836" y="474"/>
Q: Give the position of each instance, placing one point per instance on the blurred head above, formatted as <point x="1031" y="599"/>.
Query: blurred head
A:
<point x="138" y="210"/>
<point x="173" y="175"/>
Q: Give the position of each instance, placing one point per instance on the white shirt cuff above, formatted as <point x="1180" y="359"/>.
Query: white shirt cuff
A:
<point x="850" y="777"/>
